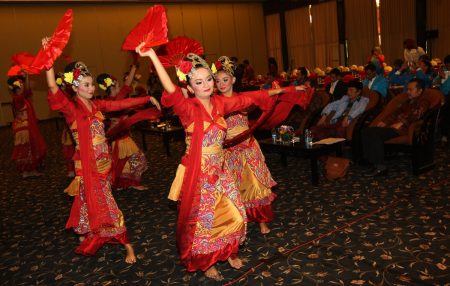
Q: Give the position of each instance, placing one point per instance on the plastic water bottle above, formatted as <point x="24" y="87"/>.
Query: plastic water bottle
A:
<point x="274" y="135"/>
<point x="308" y="139"/>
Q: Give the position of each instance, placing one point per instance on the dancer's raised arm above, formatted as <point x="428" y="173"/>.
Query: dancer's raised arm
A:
<point x="51" y="82"/>
<point x="160" y="70"/>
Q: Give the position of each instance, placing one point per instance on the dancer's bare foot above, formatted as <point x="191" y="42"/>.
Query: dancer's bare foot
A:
<point x="264" y="228"/>
<point x="214" y="274"/>
<point x="235" y="263"/>
<point x="130" y="258"/>
<point x="139" y="188"/>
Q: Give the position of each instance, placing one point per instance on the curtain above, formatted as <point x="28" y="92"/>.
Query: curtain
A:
<point x="325" y="32"/>
<point x="273" y="35"/>
<point x="360" y="29"/>
<point x="299" y="38"/>
<point x="398" y="22"/>
<point x="438" y="19"/>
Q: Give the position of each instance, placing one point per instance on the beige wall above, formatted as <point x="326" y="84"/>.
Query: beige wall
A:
<point x="99" y="29"/>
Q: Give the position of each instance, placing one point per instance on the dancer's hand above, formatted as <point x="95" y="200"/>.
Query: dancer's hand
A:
<point x="155" y="102"/>
<point x="45" y="42"/>
<point x="148" y="53"/>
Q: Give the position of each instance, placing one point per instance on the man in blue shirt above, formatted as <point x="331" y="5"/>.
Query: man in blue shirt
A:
<point x="342" y="112"/>
<point x="375" y="82"/>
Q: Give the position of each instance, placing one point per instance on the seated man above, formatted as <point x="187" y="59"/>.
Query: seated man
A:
<point x="337" y="88"/>
<point x="343" y="111"/>
<point x="375" y="82"/>
<point x="394" y="125"/>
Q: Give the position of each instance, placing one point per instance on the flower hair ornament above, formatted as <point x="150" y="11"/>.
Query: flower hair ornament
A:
<point x="223" y="64"/>
<point x="15" y="82"/>
<point x="59" y="79"/>
<point x="189" y="65"/>
<point x="75" y="73"/>
<point x="105" y="81"/>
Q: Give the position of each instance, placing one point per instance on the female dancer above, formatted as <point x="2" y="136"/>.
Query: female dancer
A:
<point x="211" y="219"/>
<point x="245" y="160"/>
<point x="129" y="162"/>
<point x="94" y="215"/>
<point x="29" y="145"/>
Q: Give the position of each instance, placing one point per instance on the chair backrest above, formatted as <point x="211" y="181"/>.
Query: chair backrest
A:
<point x="435" y="96"/>
<point x="374" y="98"/>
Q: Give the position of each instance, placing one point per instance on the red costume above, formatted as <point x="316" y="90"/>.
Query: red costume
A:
<point x="29" y="145"/>
<point x="94" y="212"/>
<point x="211" y="218"/>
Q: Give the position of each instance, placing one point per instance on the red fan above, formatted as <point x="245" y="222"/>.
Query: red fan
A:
<point x="22" y="58"/>
<point x="22" y="63"/>
<point x="14" y="70"/>
<point x="152" y="30"/>
<point x="178" y="48"/>
<point x="55" y="45"/>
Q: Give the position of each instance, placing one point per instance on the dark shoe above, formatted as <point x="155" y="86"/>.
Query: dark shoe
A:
<point x="377" y="173"/>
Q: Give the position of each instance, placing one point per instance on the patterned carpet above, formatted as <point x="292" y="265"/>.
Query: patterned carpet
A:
<point x="353" y="231"/>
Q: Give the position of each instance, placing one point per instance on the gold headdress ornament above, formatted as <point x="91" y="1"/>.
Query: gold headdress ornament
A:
<point x="59" y="79"/>
<point x="189" y="65"/>
<point x="223" y="64"/>
<point x="16" y="83"/>
<point x="107" y="82"/>
<point x="79" y="71"/>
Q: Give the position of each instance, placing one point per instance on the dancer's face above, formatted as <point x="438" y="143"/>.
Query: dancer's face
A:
<point x="202" y="83"/>
<point x="224" y="82"/>
<point x="115" y="88"/>
<point x="86" y="88"/>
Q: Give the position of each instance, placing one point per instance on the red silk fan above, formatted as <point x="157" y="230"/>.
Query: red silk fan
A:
<point x="53" y="48"/>
<point x="22" y="58"/>
<point x="14" y="70"/>
<point x="22" y="63"/>
<point x="152" y="30"/>
<point x="177" y="49"/>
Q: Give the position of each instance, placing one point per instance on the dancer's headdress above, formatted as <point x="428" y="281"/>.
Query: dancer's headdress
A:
<point x="223" y="64"/>
<point x="189" y="65"/>
<point x="75" y="72"/>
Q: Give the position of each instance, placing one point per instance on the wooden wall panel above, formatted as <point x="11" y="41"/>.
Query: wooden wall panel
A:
<point x="99" y="30"/>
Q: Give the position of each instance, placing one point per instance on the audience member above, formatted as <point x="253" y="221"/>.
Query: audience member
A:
<point x="375" y="82"/>
<point x="342" y="112"/>
<point x="249" y="72"/>
<point x="377" y="59"/>
<point x="425" y="71"/>
<point x="394" y="125"/>
<point x="412" y="52"/>
<point x="337" y="88"/>
<point x="400" y="75"/>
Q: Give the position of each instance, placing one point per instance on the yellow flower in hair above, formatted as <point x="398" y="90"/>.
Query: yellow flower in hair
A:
<point x="213" y="68"/>
<point x="108" y="82"/>
<point x="59" y="81"/>
<point x="68" y="77"/>
<point x="137" y="76"/>
<point x="17" y="83"/>
<point x="102" y="86"/>
<point x="181" y="76"/>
